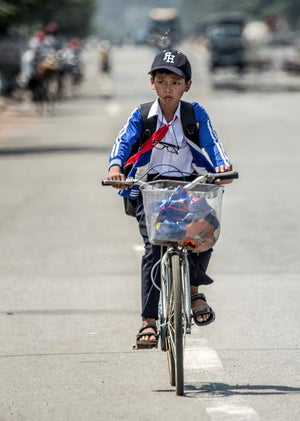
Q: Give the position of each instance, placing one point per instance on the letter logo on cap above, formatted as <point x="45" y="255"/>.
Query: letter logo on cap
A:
<point x="169" y="58"/>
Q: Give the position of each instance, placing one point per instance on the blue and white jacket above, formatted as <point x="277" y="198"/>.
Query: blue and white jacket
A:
<point x="208" y="154"/>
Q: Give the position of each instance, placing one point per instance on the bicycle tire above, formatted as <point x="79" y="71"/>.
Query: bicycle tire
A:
<point x="175" y="357"/>
<point x="169" y="327"/>
<point x="171" y="367"/>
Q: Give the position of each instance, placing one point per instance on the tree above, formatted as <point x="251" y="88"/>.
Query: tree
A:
<point x="72" y="16"/>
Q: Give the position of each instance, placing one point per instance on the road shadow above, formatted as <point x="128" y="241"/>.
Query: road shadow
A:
<point x="253" y="87"/>
<point x="68" y="312"/>
<point x="226" y="390"/>
<point x="34" y="150"/>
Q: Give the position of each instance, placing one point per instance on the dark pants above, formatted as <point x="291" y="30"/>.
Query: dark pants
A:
<point x="150" y="294"/>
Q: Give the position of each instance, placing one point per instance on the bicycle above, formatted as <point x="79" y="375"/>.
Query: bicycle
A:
<point x="175" y="314"/>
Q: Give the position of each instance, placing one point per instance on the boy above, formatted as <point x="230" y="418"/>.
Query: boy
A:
<point x="170" y="155"/>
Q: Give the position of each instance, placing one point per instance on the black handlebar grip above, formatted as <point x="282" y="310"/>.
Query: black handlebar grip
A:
<point x="107" y="182"/>
<point x="116" y="183"/>
<point x="228" y="175"/>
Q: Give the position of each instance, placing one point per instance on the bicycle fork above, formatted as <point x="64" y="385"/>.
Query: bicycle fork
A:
<point x="166" y="287"/>
<point x="185" y="277"/>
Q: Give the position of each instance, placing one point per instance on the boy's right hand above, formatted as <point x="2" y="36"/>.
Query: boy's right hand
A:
<point x="222" y="169"/>
<point x="115" y="173"/>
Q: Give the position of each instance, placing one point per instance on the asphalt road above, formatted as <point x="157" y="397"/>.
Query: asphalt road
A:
<point x="70" y="261"/>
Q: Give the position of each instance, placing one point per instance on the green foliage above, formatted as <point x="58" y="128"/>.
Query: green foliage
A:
<point x="72" y="16"/>
<point x="6" y="9"/>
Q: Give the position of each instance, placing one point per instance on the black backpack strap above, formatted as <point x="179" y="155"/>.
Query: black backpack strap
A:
<point x="148" y="128"/>
<point x="149" y="124"/>
<point x="189" y="125"/>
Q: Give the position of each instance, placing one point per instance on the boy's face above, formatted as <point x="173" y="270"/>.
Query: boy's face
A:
<point x="169" y="88"/>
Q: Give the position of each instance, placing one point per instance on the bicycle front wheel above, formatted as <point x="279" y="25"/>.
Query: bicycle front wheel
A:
<point x="175" y="327"/>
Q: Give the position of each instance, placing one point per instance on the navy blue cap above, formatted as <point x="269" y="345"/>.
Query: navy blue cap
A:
<point x="174" y="61"/>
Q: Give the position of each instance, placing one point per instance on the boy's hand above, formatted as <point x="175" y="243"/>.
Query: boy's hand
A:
<point x="223" y="168"/>
<point x="116" y="174"/>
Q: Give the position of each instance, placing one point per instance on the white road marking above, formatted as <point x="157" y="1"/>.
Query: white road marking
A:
<point x="202" y="365"/>
<point x="197" y="358"/>
<point x="232" y="412"/>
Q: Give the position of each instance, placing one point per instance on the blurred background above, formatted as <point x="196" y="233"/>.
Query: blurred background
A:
<point x="43" y="43"/>
<point x="71" y="71"/>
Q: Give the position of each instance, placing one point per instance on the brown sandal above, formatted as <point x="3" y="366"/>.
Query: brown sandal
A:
<point x="206" y="310"/>
<point x="148" y="344"/>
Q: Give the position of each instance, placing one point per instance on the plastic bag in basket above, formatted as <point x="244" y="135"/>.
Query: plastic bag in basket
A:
<point x="187" y="218"/>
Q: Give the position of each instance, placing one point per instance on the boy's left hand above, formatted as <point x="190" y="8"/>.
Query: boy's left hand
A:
<point x="223" y="168"/>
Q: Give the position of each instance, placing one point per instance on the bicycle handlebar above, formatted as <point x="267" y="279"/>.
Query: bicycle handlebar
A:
<point x="205" y="178"/>
<point x="113" y="182"/>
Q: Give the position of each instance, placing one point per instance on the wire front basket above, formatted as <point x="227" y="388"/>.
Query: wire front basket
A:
<point x="175" y="215"/>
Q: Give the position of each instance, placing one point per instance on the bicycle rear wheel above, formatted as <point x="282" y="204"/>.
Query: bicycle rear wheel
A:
<point x="175" y="327"/>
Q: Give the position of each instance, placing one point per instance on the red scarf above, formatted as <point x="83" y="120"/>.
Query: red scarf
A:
<point x="157" y="136"/>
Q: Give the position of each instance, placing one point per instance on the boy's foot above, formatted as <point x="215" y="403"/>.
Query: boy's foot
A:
<point x="202" y="313"/>
<point x="147" y="336"/>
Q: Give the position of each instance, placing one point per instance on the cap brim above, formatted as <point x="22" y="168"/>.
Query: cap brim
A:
<point x="171" y="69"/>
